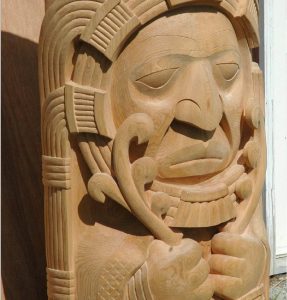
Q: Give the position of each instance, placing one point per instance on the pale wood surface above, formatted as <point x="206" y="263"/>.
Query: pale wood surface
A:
<point x="23" y="252"/>
<point x="155" y="110"/>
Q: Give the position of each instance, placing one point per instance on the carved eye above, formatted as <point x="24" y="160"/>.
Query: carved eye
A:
<point x="157" y="79"/>
<point x="228" y="70"/>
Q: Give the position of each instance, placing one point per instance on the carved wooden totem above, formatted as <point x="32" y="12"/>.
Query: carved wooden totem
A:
<point x="153" y="150"/>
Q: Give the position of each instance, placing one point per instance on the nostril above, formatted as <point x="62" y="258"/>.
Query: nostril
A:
<point x="186" y="110"/>
<point x="188" y="102"/>
<point x="201" y="114"/>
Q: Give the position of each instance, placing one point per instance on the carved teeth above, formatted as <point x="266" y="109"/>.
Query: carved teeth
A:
<point x="214" y="188"/>
<point x="202" y="194"/>
<point x="203" y="214"/>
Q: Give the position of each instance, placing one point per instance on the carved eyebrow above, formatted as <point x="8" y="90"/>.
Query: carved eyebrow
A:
<point x="155" y="64"/>
<point x="218" y="43"/>
<point x="229" y="54"/>
<point x="196" y="39"/>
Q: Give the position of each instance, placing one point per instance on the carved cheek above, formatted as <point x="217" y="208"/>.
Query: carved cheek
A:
<point x="160" y="107"/>
<point x="233" y="110"/>
<point x="122" y="104"/>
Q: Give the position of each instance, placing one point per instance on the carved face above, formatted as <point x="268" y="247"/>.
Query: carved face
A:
<point x="186" y="71"/>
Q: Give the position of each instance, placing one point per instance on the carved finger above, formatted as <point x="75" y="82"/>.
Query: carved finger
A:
<point x="226" y="265"/>
<point x="233" y="244"/>
<point x="227" y="287"/>
<point x="188" y="253"/>
<point x="198" y="274"/>
<point x="204" y="291"/>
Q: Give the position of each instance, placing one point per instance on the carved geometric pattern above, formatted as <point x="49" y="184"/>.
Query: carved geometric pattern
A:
<point x="83" y="105"/>
<point x="112" y="22"/>
<point x="201" y="214"/>
<point x="173" y="3"/>
<point x="53" y="122"/>
<point x="61" y="284"/>
<point x="56" y="172"/>
<point x="145" y="10"/>
<point x="138" y="287"/>
<point x="248" y="12"/>
<point x="251" y="16"/>
<point x="113" y="277"/>
<point x="116" y="20"/>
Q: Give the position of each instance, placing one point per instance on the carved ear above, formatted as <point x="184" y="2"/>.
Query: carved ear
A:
<point x="254" y="107"/>
<point x="254" y="152"/>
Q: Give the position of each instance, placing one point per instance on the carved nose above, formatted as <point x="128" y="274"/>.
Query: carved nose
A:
<point x="199" y="101"/>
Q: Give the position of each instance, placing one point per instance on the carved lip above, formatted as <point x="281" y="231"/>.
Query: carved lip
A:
<point x="212" y="189"/>
<point x="199" y="159"/>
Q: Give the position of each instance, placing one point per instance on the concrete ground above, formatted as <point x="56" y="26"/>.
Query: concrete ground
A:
<point x="278" y="287"/>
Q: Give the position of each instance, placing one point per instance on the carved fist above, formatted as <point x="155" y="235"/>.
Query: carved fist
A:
<point x="178" y="272"/>
<point x="237" y="264"/>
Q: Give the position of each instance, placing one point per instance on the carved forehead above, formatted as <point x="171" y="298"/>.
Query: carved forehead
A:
<point x="194" y="23"/>
<point x="201" y="30"/>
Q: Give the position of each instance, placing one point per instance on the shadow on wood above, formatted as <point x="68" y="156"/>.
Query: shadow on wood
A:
<point x="23" y="254"/>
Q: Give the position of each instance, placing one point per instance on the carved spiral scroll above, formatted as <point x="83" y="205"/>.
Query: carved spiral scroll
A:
<point x="137" y="126"/>
<point x="101" y="185"/>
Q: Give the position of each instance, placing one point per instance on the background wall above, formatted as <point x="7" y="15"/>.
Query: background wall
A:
<point x="275" y="67"/>
<point x="23" y="254"/>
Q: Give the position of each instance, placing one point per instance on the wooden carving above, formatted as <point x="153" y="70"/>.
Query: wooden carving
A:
<point x="153" y="150"/>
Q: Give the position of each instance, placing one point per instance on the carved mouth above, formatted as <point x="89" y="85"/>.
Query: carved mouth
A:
<point x="205" y="204"/>
<point x="192" y="152"/>
<point x="196" y="160"/>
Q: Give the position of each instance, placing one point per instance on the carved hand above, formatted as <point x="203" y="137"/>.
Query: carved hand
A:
<point x="178" y="272"/>
<point x="237" y="264"/>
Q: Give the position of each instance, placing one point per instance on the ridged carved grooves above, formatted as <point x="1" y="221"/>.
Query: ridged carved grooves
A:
<point x="60" y="284"/>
